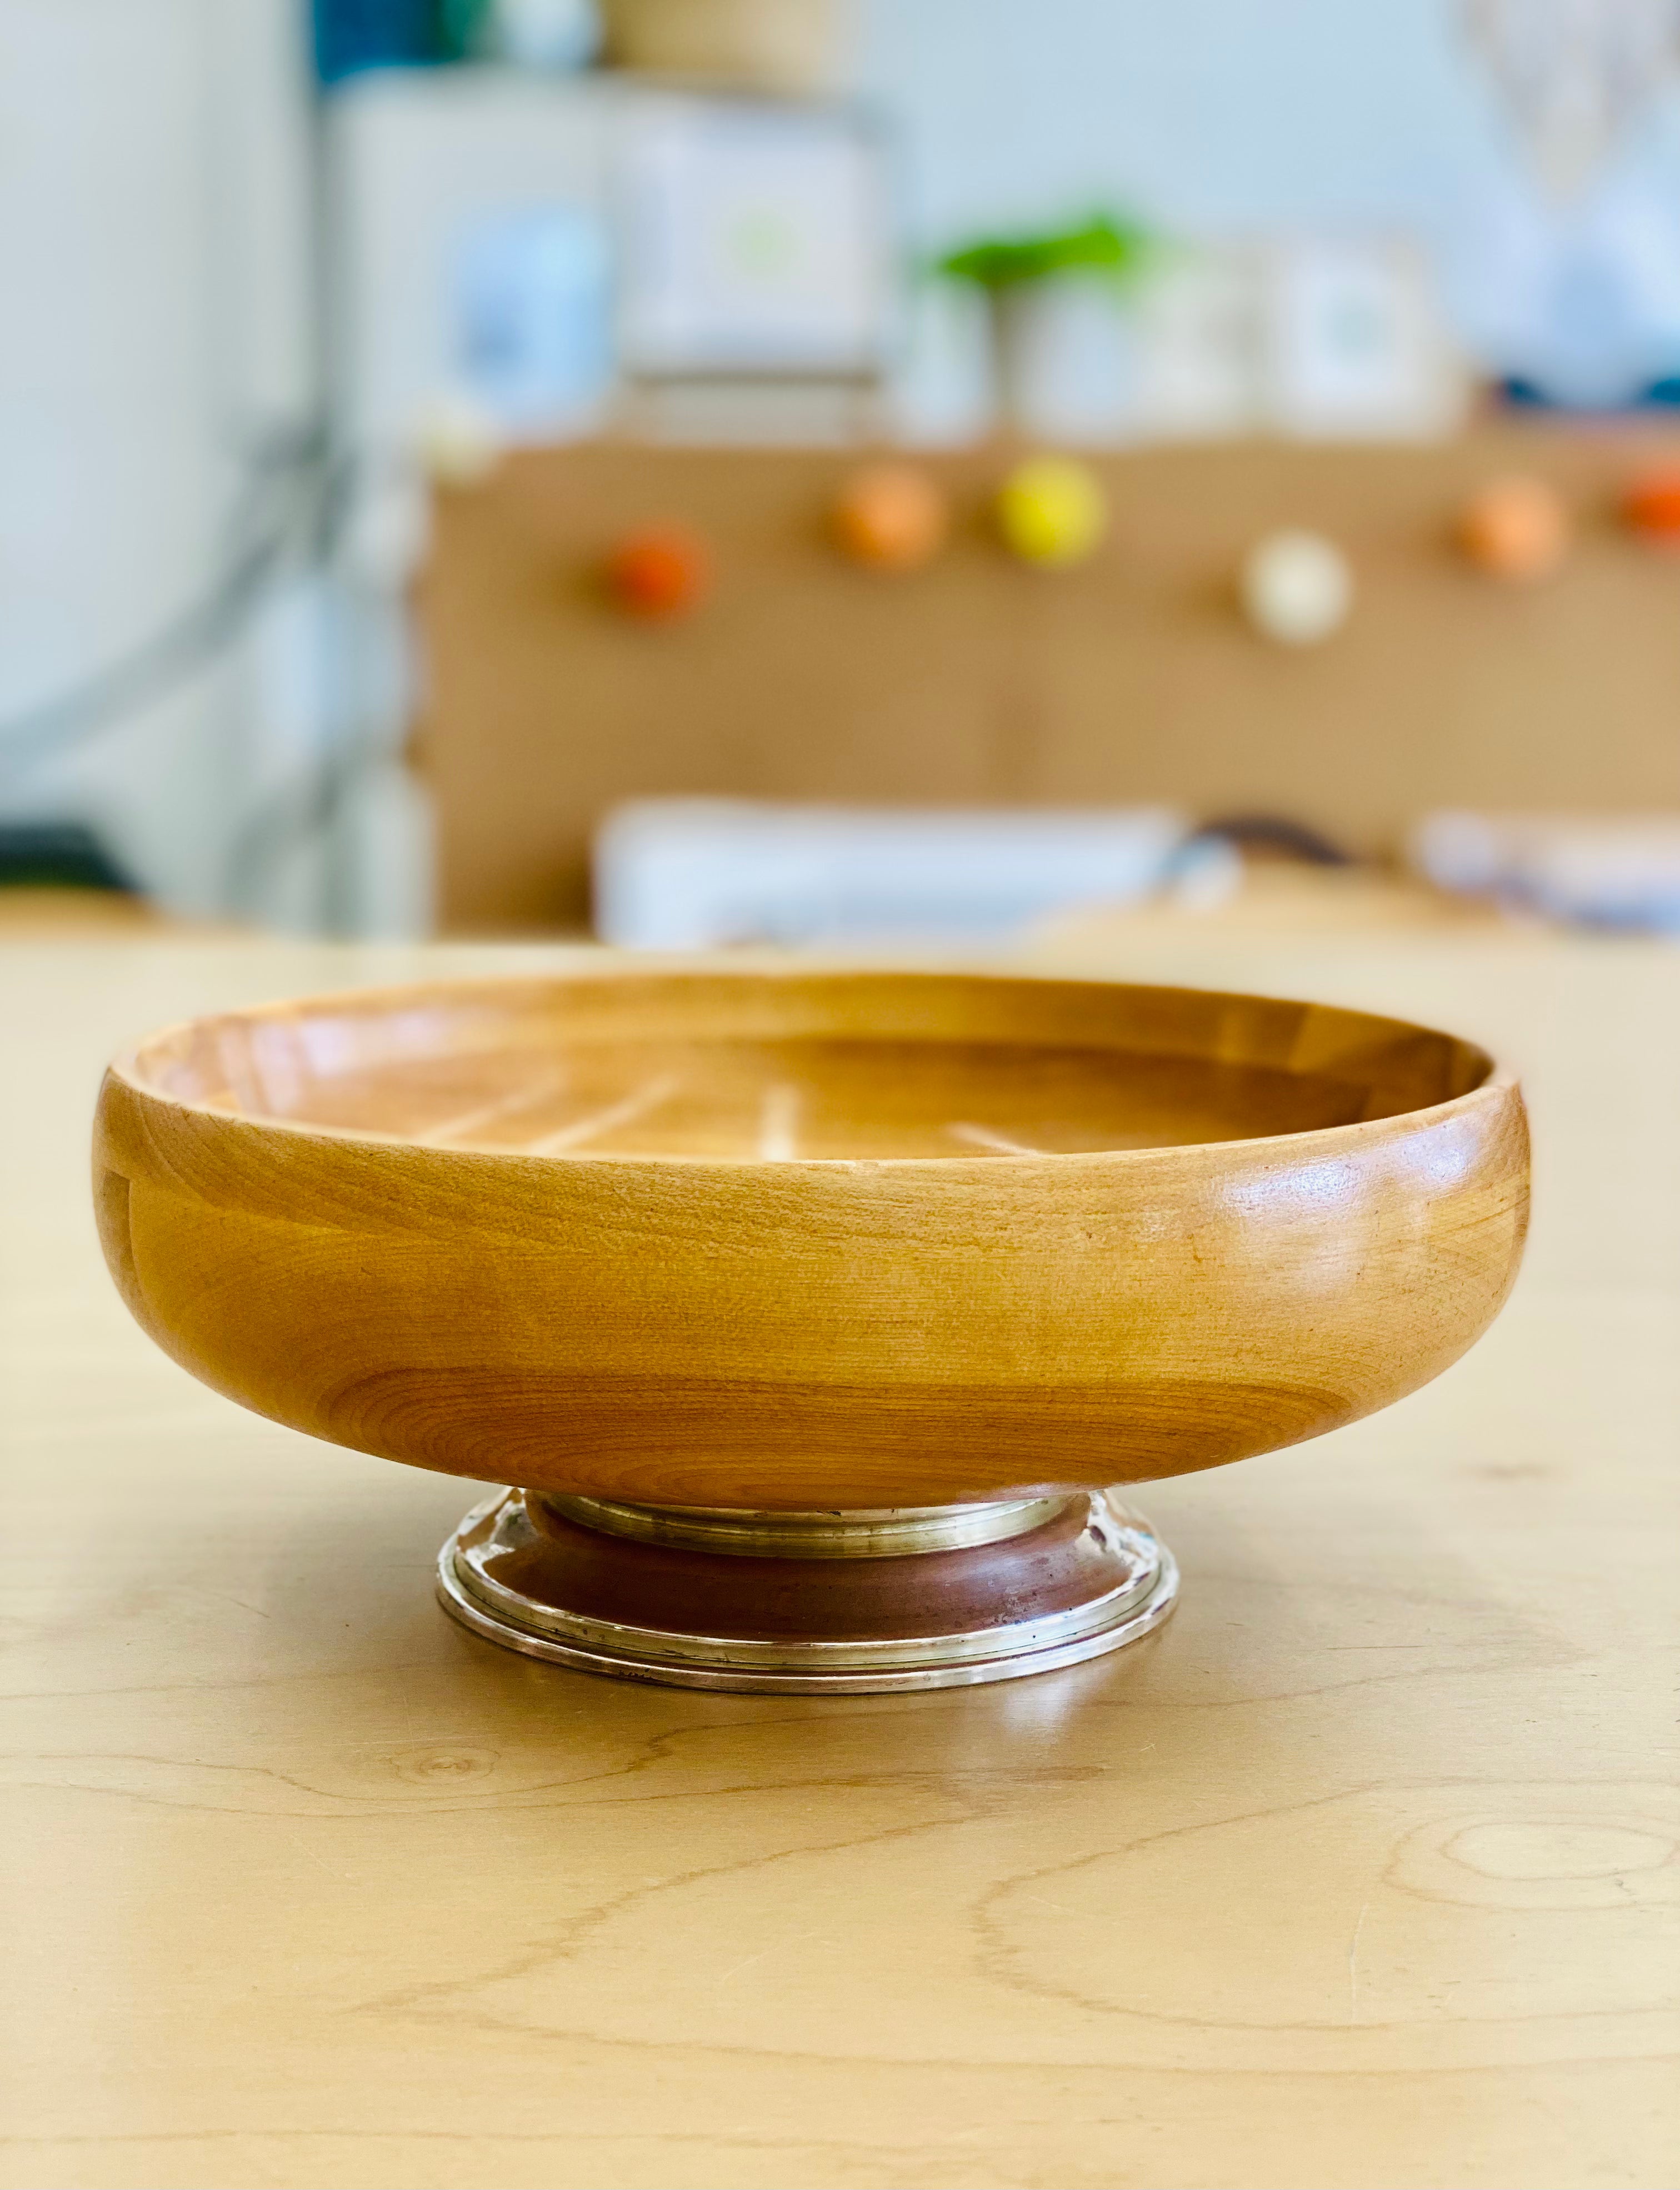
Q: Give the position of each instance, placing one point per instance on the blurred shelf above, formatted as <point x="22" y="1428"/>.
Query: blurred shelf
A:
<point x="1132" y="679"/>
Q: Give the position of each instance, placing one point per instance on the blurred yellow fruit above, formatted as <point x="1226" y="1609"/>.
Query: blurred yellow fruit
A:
<point x="1052" y="511"/>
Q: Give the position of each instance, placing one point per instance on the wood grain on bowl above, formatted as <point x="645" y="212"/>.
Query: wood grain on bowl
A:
<point x="795" y="1238"/>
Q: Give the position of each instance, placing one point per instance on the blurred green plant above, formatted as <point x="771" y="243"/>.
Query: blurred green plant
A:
<point x="461" y="28"/>
<point x="1116" y="250"/>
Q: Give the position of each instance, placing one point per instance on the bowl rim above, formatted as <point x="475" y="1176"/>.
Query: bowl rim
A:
<point x="1497" y="1083"/>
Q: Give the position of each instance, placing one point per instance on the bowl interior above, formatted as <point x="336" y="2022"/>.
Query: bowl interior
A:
<point x="789" y="1065"/>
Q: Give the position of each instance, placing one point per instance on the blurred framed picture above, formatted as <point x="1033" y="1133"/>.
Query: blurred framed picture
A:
<point x="754" y="240"/>
<point x="1200" y="319"/>
<point x="1355" y="345"/>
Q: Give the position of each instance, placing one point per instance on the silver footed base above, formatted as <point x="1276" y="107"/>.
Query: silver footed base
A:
<point x="836" y="1604"/>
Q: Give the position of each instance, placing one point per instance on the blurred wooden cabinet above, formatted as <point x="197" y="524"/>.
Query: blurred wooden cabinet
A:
<point x="978" y="681"/>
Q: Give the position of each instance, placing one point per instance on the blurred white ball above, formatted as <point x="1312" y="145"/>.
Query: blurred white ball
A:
<point x="456" y="440"/>
<point x="1297" y="588"/>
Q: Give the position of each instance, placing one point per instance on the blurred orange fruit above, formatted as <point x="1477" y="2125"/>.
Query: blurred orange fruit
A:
<point x="891" y="517"/>
<point x="1653" y="507"/>
<point x="1516" y="528"/>
<point x="659" y="572"/>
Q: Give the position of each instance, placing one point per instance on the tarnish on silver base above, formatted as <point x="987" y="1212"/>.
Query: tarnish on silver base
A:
<point x="1133" y="1585"/>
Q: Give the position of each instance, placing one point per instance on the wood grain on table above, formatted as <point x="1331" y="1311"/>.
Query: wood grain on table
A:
<point x="1359" y="1873"/>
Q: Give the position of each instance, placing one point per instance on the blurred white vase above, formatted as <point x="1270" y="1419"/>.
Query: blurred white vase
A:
<point x="1065" y="361"/>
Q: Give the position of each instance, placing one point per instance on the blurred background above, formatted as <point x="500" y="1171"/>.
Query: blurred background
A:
<point x="838" y="470"/>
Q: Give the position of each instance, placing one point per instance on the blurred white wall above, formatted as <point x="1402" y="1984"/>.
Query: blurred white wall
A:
<point x="1225" y="116"/>
<point x="153" y="229"/>
<point x="155" y="235"/>
<point x="1207" y="114"/>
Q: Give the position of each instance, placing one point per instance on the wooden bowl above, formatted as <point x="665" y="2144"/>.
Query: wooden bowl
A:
<point x="813" y="1314"/>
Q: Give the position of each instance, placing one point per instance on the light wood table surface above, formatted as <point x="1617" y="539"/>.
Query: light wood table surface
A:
<point x="1360" y="1873"/>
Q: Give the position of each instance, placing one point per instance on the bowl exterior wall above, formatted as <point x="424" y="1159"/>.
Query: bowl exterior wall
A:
<point x="798" y="1335"/>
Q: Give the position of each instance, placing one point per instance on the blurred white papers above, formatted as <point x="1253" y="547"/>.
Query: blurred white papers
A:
<point x="1614" y="872"/>
<point x="675" y="874"/>
<point x="1319" y="337"/>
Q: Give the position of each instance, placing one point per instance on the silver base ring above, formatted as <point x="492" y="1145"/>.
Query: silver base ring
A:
<point x="1099" y="1575"/>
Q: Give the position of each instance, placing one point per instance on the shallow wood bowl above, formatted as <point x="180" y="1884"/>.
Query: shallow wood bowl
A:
<point x="795" y="1239"/>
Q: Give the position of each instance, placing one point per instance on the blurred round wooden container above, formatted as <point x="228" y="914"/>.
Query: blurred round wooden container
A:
<point x="795" y="48"/>
<point x="813" y="1314"/>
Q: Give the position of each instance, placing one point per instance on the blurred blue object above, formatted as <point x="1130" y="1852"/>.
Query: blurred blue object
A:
<point x="533" y="297"/>
<point x="1576" y="305"/>
<point x="1589" y="870"/>
<point x="1662" y="394"/>
<point x="353" y="35"/>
